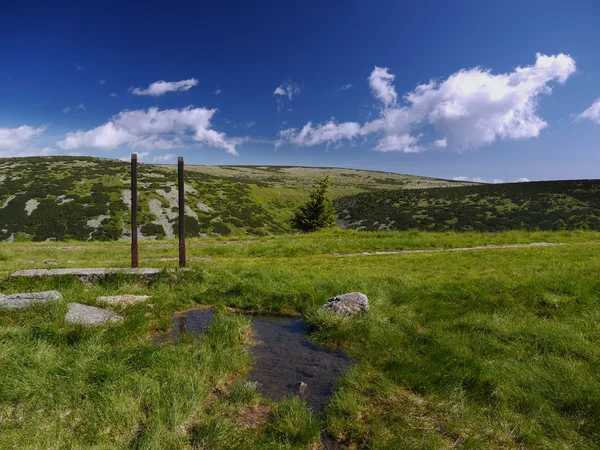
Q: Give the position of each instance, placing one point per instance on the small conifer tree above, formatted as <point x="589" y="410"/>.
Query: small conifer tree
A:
<point x="318" y="212"/>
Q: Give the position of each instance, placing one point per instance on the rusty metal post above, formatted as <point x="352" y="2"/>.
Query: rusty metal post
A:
<point x="134" y="208"/>
<point x="181" y="212"/>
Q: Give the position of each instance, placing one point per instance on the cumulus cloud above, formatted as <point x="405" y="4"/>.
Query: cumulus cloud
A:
<point x="152" y="129"/>
<point x="141" y="156"/>
<point x="162" y="87"/>
<point x="399" y="143"/>
<point x="470" y="109"/>
<point x="327" y="133"/>
<point x="592" y="113"/>
<point x="522" y="180"/>
<point x="440" y="143"/>
<point x="163" y="158"/>
<point x="380" y="81"/>
<point x="17" y="138"/>
<point x="218" y="91"/>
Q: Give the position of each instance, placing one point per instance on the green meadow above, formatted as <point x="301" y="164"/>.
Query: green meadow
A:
<point x="483" y="348"/>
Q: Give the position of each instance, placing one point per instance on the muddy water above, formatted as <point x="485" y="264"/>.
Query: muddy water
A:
<point x="195" y="321"/>
<point x="285" y="357"/>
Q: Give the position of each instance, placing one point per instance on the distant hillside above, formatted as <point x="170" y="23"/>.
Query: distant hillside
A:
<point x="548" y="205"/>
<point x="57" y="198"/>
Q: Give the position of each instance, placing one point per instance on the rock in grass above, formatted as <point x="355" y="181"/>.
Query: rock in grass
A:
<point x="122" y="300"/>
<point x="17" y="301"/>
<point x="347" y="304"/>
<point x="90" y="315"/>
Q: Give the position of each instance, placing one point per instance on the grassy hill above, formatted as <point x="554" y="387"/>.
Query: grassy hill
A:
<point x="547" y="205"/>
<point x="86" y="198"/>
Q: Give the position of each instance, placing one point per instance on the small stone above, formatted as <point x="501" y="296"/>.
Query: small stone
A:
<point x="16" y="301"/>
<point x="122" y="300"/>
<point x="301" y="387"/>
<point x="347" y="304"/>
<point x="90" y="315"/>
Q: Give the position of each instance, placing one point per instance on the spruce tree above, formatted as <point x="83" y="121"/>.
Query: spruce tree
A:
<point x="318" y="212"/>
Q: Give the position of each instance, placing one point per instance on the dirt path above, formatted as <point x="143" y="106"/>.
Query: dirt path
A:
<point x="462" y="249"/>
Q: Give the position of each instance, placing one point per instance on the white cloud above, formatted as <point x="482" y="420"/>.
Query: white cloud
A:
<point x="141" y="157"/>
<point x="472" y="180"/>
<point x="399" y="143"/>
<point x="102" y="81"/>
<point x="380" y="81"/>
<point x="329" y="132"/>
<point x="440" y="143"/>
<point x="250" y="124"/>
<point x="67" y="109"/>
<point x="218" y="91"/>
<point x="16" y="138"/>
<point x="26" y="152"/>
<point x="286" y="90"/>
<point x="163" y="158"/>
<point x="78" y="67"/>
<point x="470" y="109"/>
<point x="346" y="87"/>
<point x="495" y="181"/>
<point x="474" y="107"/>
<point x="162" y="87"/>
<point x="112" y="94"/>
<point x="82" y="107"/>
<point x="152" y="129"/>
<point x="592" y="113"/>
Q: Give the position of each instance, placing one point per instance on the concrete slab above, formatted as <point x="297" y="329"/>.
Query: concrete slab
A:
<point x="18" y="301"/>
<point x="88" y="275"/>
<point x="90" y="315"/>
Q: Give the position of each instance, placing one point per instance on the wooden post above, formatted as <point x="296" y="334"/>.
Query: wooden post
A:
<point x="134" y="207"/>
<point x="181" y="212"/>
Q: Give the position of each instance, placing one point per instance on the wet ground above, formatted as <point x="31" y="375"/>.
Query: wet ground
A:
<point x="285" y="357"/>
<point x="286" y="362"/>
<point x="194" y="321"/>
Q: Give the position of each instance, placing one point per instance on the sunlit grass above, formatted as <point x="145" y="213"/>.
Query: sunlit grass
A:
<point x="477" y="349"/>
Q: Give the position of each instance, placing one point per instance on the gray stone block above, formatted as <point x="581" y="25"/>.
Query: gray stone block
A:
<point x="90" y="315"/>
<point x="17" y="301"/>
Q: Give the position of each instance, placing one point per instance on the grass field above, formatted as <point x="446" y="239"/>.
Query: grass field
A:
<point x="489" y="348"/>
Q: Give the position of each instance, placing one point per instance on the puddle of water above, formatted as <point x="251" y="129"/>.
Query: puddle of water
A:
<point x="285" y="357"/>
<point x="194" y="321"/>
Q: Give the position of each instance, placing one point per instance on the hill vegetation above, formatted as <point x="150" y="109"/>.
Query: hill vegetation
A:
<point x="84" y="198"/>
<point x="548" y="205"/>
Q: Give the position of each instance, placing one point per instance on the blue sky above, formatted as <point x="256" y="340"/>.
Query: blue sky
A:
<point x="446" y="89"/>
